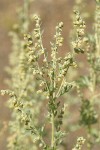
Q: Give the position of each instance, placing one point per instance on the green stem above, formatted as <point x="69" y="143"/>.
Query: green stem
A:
<point x="53" y="131"/>
<point x="89" y="145"/>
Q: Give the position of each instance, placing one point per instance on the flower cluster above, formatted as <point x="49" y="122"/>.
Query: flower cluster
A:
<point x="80" y="142"/>
<point x="80" y="39"/>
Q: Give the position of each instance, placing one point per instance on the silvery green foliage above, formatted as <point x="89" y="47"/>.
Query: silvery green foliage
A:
<point x="23" y="98"/>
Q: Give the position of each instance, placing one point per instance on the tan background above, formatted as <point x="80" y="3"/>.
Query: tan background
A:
<point x="51" y="12"/>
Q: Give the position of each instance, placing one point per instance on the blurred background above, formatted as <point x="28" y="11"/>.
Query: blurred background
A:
<point x="51" y="12"/>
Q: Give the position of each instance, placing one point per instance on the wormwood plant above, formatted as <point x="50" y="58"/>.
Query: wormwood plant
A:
<point x="71" y="99"/>
<point x="91" y="82"/>
<point x="52" y="74"/>
<point x="23" y="99"/>
<point x="33" y="67"/>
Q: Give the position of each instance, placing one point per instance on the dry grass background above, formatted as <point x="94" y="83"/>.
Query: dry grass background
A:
<point x="51" y="12"/>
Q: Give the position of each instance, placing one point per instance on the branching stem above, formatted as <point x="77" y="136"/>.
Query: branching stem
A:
<point x="53" y="131"/>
